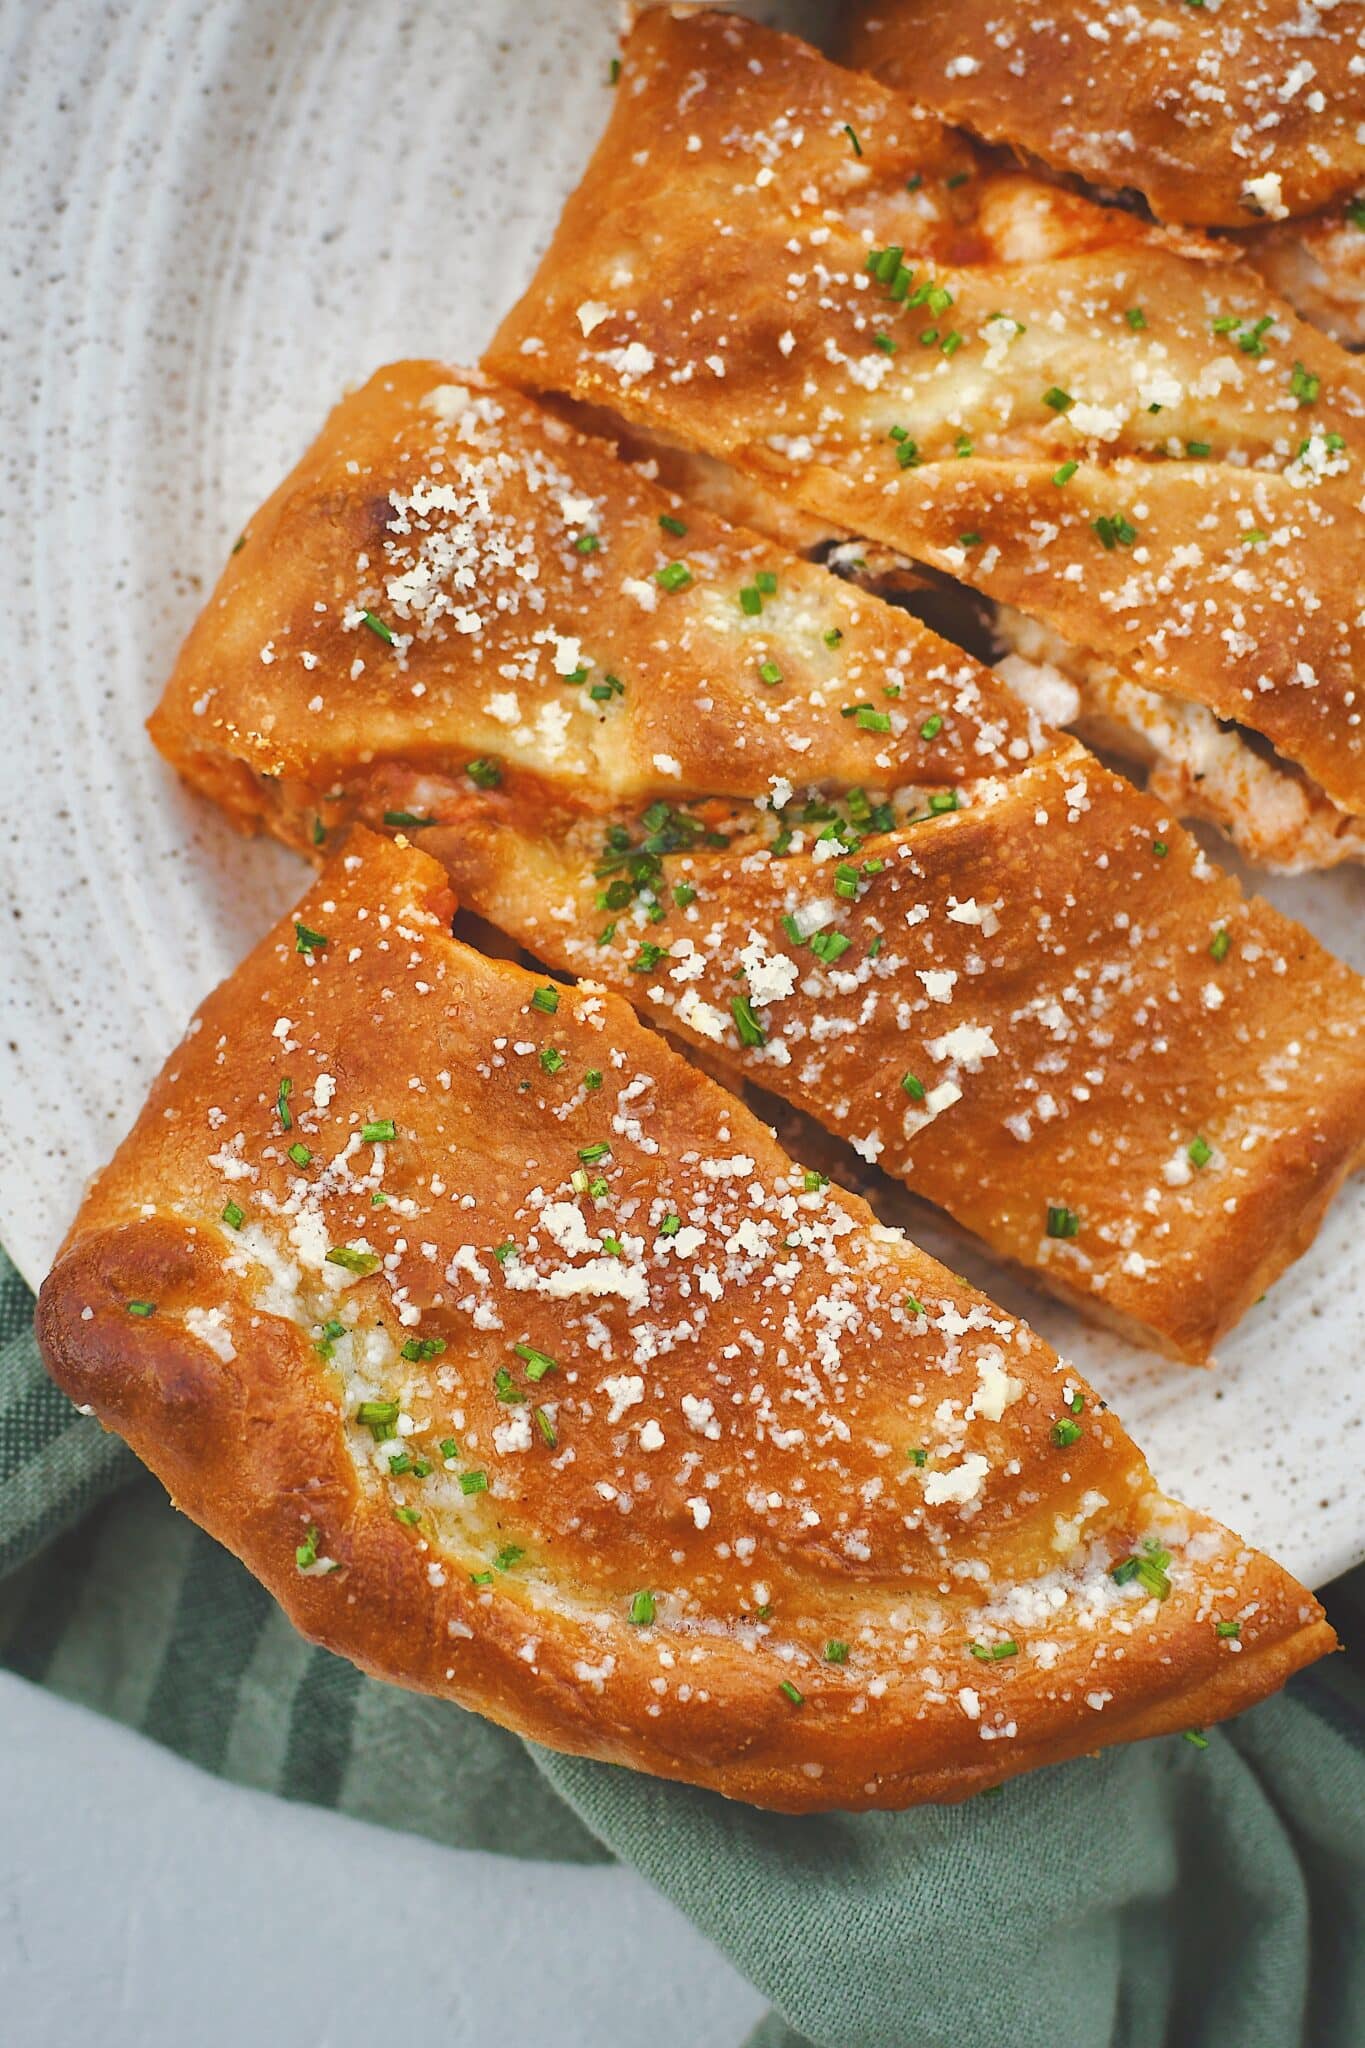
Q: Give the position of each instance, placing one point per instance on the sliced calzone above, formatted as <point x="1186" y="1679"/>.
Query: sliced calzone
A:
<point x="526" y="1369"/>
<point x="1118" y="435"/>
<point x="1248" y="111"/>
<point x="818" y="843"/>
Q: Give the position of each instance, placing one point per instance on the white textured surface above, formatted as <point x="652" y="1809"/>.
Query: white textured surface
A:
<point x="222" y="214"/>
<point x="146" y="1905"/>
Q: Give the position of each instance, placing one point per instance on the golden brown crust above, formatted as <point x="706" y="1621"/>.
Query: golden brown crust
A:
<point x="1152" y="1042"/>
<point x="724" y="1423"/>
<point x="1206" y="539"/>
<point x="1252" y="108"/>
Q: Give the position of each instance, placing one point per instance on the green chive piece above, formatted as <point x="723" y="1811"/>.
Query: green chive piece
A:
<point x="306" y="941"/>
<point x="300" y="1154"/>
<point x="672" y="525"/>
<point x="141" y="1308"/>
<point x="282" y="1108"/>
<point x="683" y="894"/>
<point x="1221" y="943"/>
<point x="642" y="1609"/>
<point x="506" y="1388"/>
<point x="510" y="1554"/>
<point x="832" y="636"/>
<point x="473" y="1482"/>
<point x="1065" y="473"/>
<point x="592" y="1079"/>
<point x="670" y="1226"/>
<point x="587" y="544"/>
<point x="233" y="1215"/>
<point x="379" y="1417"/>
<point x="918" y="1456"/>
<point x="307" y="1552"/>
<point x="381" y="1132"/>
<point x="485" y="771"/>
<point x="1136" y="318"/>
<point x="751" y="600"/>
<point x="551" y="1059"/>
<point x="1304" y="386"/>
<point x="537" y="1363"/>
<point x="590" y="1154"/>
<point x="352" y="1259"/>
<point x="505" y="1251"/>
<point x="409" y="1517"/>
<point x="884" y="343"/>
<point x="836" y="1652"/>
<point x="1228" y="1631"/>
<point x="992" y="1653"/>
<point x="546" y="999"/>
<point x="1148" y="1567"/>
<point x="1200" y="1152"/>
<point x="852" y="136"/>
<point x="418" y="1350"/>
<point x="943" y="800"/>
<point x="1199" y="449"/>
<point x="407" y="821"/>
<point x="769" y="672"/>
<point x="750" y="1031"/>
<point x="1065" y="1432"/>
<point x="1197" y="1737"/>
<point x="377" y="625"/>
<point x="673" y="576"/>
<point x="913" y="1087"/>
<point x="481" y="1578"/>
<point x="913" y="1306"/>
<point x="399" y="1464"/>
<point x="1058" y="400"/>
<point x="545" y="1424"/>
<point x="1160" y="848"/>
<point x="1061" y="1221"/>
<point x="932" y="727"/>
<point x="868" y="720"/>
<point x="797" y="1699"/>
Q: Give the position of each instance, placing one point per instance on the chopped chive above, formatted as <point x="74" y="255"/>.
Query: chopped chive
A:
<point x="473" y="1482"/>
<point x="352" y="1259"/>
<point x="381" y="1132"/>
<point x="546" y="999"/>
<point x="917" y="1455"/>
<point x="1200" y="1152"/>
<point x="943" y="800"/>
<point x="992" y="1653"/>
<point x="769" y="672"/>
<point x="1065" y="1432"/>
<point x="449" y="1448"/>
<point x="306" y="941"/>
<point x="590" y="1154"/>
<point x="812" y="1182"/>
<point x="642" y="1609"/>
<point x="1065" y="473"/>
<point x="832" y="636"/>
<point x="962" y="447"/>
<point x="851" y="133"/>
<point x="873" y="721"/>
<point x="1228" y="1631"/>
<point x="913" y="1087"/>
<point x="551" y="1059"/>
<point x="913" y="183"/>
<point x="951" y="343"/>
<point x="1199" y="449"/>
<point x="1221" y="943"/>
<point x="683" y="894"/>
<point x="505" y="1251"/>
<point x="399" y="1464"/>
<point x="481" y="1578"/>
<point x="300" y="1154"/>
<point x="797" y="1698"/>
<point x="282" y="1108"/>
<point x="913" y="1306"/>
<point x="1115" y="532"/>
<point x="884" y="343"/>
<point x="750" y="1031"/>
<point x="1136" y="318"/>
<point x="648" y="957"/>
<point x="317" y="832"/>
<point x="537" y="1363"/>
<point x="587" y="544"/>
<point x="969" y="540"/>
<point x="836" y="1652"/>
<point x="545" y="1424"/>
<point x="1148" y="1567"/>
<point x="1058" y="400"/>
<point x="1254" y="537"/>
<point x="485" y="771"/>
<point x="751" y="600"/>
<point x="932" y="727"/>
<point x="239" y="544"/>
<point x="418" y="1350"/>
<point x="376" y="625"/>
<point x="829" y="946"/>
<point x="672" y="525"/>
<point x="306" y="1553"/>
<point x="233" y="1215"/>
<point x="1197" y="1737"/>
<point x="1160" y="848"/>
<point x="409" y="1517"/>
<point x="765" y="581"/>
<point x="1061" y="1221"/>
<point x="1304" y="385"/>
<point x="592" y="1079"/>
<point x="407" y="821"/>
<point x="141" y="1308"/>
<point x="673" y="576"/>
<point x="614" y="71"/>
<point x="506" y="1388"/>
<point x="510" y="1554"/>
<point x="379" y="1417"/>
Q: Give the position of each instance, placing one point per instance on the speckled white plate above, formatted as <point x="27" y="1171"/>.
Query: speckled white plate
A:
<point x="219" y="215"/>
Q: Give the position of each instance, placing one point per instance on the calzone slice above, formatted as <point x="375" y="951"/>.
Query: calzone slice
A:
<point x="800" y="831"/>
<point x="1247" y="117"/>
<point x="525" y="1369"/>
<point x="1123" y="441"/>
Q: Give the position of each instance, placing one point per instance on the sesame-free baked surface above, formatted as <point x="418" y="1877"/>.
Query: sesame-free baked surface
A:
<point x="792" y="824"/>
<point x="1119" y="433"/>
<point x="198" y="353"/>
<point x="523" y="1365"/>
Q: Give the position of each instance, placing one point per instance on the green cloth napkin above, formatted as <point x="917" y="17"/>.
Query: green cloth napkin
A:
<point x="1210" y="1898"/>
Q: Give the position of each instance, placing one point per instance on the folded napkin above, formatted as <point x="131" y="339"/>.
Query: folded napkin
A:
<point x="1165" y="1893"/>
